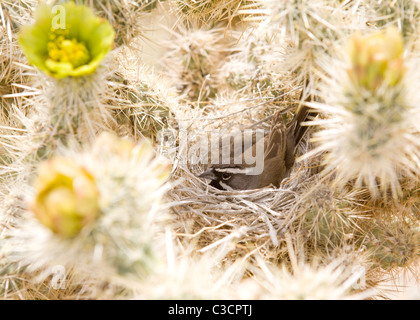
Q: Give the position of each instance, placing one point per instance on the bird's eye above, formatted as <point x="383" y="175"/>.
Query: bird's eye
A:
<point x="226" y="176"/>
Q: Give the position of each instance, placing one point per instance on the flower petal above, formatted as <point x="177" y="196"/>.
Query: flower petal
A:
<point x="82" y="26"/>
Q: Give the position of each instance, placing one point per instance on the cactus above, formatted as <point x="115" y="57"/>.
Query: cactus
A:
<point x="394" y="244"/>
<point x="74" y="203"/>
<point x="211" y="12"/>
<point x="404" y="14"/>
<point x="377" y="112"/>
<point x="103" y="104"/>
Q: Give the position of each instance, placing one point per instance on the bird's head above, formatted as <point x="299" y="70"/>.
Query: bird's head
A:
<point x="228" y="177"/>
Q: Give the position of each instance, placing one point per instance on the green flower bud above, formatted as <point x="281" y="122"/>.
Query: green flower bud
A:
<point x="67" y="198"/>
<point x="376" y="59"/>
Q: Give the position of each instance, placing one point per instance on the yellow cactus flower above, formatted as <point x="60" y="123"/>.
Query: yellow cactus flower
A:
<point x="67" y="197"/>
<point x="376" y="59"/>
<point x="70" y="45"/>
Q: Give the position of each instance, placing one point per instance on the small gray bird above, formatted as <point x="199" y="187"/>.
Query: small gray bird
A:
<point x="279" y="157"/>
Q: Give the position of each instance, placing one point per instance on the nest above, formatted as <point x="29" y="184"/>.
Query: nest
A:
<point x="252" y="219"/>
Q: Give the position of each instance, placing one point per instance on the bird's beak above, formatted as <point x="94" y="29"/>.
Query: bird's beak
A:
<point x="209" y="174"/>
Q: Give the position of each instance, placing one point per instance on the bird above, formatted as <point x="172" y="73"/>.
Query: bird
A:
<point x="279" y="156"/>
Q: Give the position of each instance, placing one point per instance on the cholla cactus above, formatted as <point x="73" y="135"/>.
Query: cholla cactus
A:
<point x="335" y="281"/>
<point x="15" y="13"/>
<point x="12" y="71"/>
<point x="214" y="11"/>
<point x="371" y="135"/>
<point x="6" y="74"/>
<point x="192" y="61"/>
<point x="146" y="105"/>
<point x="253" y="68"/>
<point x="395" y="244"/>
<point x="76" y="205"/>
<point x="191" y="276"/>
<point x="404" y="14"/>
<point x="86" y="207"/>
<point x="69" y="46"/>
<point x="332" y="220"/>
<point x="312" y="28"/>
<point x="124" y="15"/>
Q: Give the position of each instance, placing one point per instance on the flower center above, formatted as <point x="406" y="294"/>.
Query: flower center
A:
<point x="62" y="49"/>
